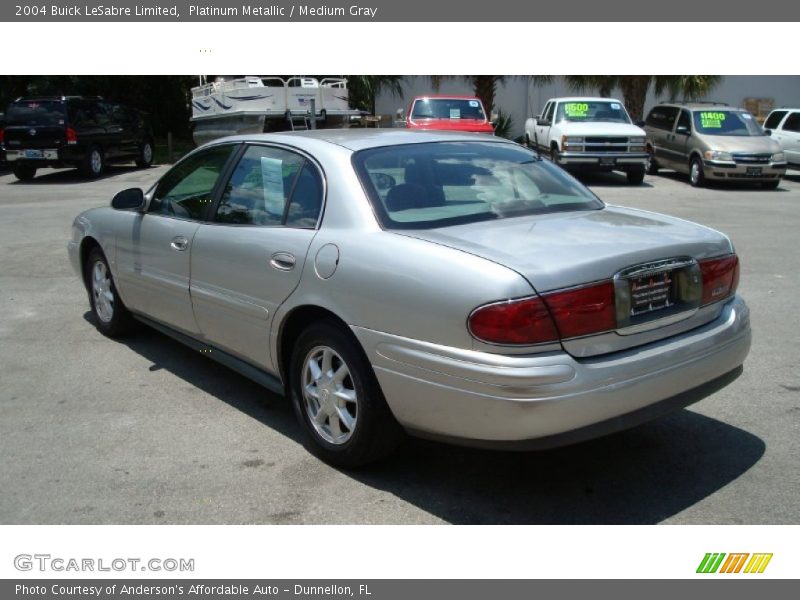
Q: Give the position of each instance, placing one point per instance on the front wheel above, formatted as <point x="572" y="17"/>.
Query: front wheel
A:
<point x="652" y="164"/>
<point x="93" y="163"/>
<point x="337" y="399"/>
<point x="635" y="177"/>
<point x="111" y="316"/>
<point x="554" y="154"/>
<point x="696" y="176"/>
<point x="145" y="158"/>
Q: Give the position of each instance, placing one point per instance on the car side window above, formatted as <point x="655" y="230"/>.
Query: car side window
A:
<point x="262" y="188"/>
<point x="186" y="190"/>
<point x="793" y="122"/>
<point x="774" y="119"/>
<point x="543" y="114"/>
<point x="550" y="112"/>
<point x="684" y="121"/>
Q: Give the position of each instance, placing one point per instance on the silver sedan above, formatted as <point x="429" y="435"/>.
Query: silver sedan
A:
<point x="452" y="286"/>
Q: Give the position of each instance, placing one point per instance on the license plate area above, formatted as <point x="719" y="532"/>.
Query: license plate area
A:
<point x="754" y="171"/>
<point x="607" y="162"/>
<point x="33" y="154"/>
<point x="654" y="294"/>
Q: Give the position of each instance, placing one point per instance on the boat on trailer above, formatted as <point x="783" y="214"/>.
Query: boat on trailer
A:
<point x="257" y="104"/>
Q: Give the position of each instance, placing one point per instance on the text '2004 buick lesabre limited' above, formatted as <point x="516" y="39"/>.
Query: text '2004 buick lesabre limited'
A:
<point x="452" y="286"/>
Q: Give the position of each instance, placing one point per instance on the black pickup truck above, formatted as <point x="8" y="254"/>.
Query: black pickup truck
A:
<point x="73" y="131"/>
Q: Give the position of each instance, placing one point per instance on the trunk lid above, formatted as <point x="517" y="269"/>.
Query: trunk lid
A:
<point x="564" y="250"/>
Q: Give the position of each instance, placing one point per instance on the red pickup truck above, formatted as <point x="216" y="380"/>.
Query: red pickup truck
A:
<point x="450" y="113"/>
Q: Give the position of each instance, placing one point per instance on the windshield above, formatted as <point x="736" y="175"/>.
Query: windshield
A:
<point x="448" y="108"/>
<point x="592" y="110"/>
<point x="726" y="122"/>
<point x="423" y="186"/>
<point x="35" y="112"/>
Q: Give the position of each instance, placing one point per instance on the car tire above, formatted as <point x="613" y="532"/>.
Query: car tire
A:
<point x="145" y="158"/>
<point x="554" y="154"/>
<point x="635" y="177"/>
<point x="652" y="164"/>
<point x="337" y="398"/>
<point x="24" y="173"/>
<point x="93" y="163"/>
<point x="771" y="185"/>
<point x="111" y="317"/>
<point x="696" y="176"/>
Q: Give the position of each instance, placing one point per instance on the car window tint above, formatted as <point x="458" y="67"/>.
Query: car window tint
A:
<point x="793" y="122"/>
<point x="427" y="185"/>
<point x="662" y="117"/>
<point x="259" y="187"/>
<point x="774" y="119"/>
<point x="684" y="120"/>
<point x="185" y="191"/>
<point x="306" y="201"/>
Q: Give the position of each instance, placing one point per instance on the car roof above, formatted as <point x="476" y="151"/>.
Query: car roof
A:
<point x="583" y="99"/>
<point x="446" y="97"/>
<point x="362" y="138"/>
<point x="783" y="108"/>
<point x="701" y="105"/>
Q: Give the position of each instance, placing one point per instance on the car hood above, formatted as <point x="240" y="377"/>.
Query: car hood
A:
<point x="452" y="125"/>
<point x="567" y="249"/>
<point x="600" y="128"/>
<point x="742" y="143"/>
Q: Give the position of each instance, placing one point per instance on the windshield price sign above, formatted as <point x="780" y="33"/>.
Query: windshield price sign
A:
<point x="712" y="120"/>
<point x="576" y="109"/>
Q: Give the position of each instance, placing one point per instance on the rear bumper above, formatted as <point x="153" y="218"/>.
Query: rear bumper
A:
<point x="731" y="171"/>
<point x="50" y="157"/>
<point x="485" y="399"/>
<point x="600" y="160"/>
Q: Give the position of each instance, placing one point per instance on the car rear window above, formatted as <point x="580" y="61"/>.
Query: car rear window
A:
<point x="726" y="122"/>
<point x="447" y="108"/>
<point x="35" y="112"/>
<point x="429" y="185"/>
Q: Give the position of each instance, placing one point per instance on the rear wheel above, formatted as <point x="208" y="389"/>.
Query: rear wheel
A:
<point x="93" y="163"/>
<point x="111" y="316"/>
<point x="24" y="173"/>
<point x="636" y="176"/>
<point x="652" y="164"/>
<point x="145" y="158"/>
<point x="771" y="185"/>
<point x="696" y="176"/>
<point x="337" y="399"/>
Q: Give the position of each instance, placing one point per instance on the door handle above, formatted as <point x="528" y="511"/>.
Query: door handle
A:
<point x="282" y="261"/>
<point x="179" y="243"/>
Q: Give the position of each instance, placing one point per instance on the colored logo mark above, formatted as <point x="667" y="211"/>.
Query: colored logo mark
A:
<point x="719" y="562"/>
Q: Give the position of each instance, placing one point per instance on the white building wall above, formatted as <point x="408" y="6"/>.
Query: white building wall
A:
<point x="520" y="97"/>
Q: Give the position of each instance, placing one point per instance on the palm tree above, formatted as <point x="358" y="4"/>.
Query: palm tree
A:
<point x="364" y="89"/>
<point x="634" y="87"/>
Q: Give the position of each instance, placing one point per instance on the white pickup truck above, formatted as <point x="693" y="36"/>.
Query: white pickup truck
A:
<point x="589" y="134"/>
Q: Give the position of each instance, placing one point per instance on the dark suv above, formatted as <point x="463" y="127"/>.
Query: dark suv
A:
<point x="73" y="131"/>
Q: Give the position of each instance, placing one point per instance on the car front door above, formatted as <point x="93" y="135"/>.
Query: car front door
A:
<point x="154" y="249"/>
<point x="249" y="258"/>
<point x="679" y="142"/>
<point x="543" y="125"/>
<point x="789" y="137"/>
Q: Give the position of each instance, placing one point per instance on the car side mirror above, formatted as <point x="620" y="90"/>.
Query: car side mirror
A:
<point x="542" y="122"/>
<point x="682" y="129"/>
<point x="768" y="132"/>
<point x="132" y="198"/>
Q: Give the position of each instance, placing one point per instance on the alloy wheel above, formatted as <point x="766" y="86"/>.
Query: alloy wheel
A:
<point x="101" y="290"/>
<point x="329" y="395"/>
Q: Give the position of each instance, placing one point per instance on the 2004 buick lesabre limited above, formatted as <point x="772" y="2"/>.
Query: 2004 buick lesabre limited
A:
<point x="453" y="286"/>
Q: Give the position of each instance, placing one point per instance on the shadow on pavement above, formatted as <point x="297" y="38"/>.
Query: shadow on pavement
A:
<point x="718" y="184"/>
<point x="640" y="476"/>
<point x="74" y="176"/>
<point x="613" y="179"/>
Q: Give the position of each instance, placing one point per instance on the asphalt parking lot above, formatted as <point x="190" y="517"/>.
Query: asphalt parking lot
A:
<point x="147" y="431"/>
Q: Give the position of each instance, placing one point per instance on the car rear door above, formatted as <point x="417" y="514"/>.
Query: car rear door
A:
<point x="250" y="257"/>
<point x="154" y="249"/>
<point x="659" y="125"/>
<point x="789" y="138"/>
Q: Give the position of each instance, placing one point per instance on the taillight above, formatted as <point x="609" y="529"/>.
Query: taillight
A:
<point x="720" y="278"/>
<point x="583" y="311"/>
<point x="524" y="321"/>
<point x="567" y="314"/>
<point x="2" y="135"/>
<point x="72" y="137"/>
